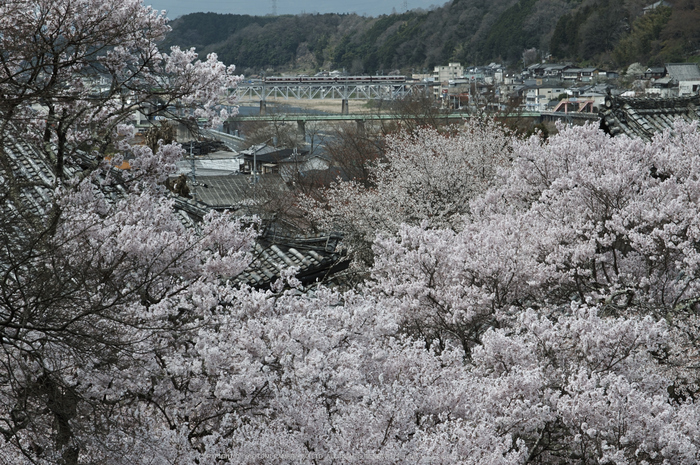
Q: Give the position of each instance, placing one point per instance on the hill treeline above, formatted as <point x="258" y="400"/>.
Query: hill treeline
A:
<point x="612" y="33"/>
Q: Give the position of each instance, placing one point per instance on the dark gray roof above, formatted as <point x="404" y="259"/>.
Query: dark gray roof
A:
<point x="317" y="257"/>
<point x="258" y="149"/>
<point x="642" y="117"/>
<point x="27" y="184"/>
<point x="278" y="156"/>
<point x="664" y="82"/>
<point x="230" y="192"/>
<point x="28" y="178"/>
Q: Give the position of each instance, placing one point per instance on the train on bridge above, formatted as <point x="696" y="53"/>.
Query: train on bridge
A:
<point x="331" y="79"/>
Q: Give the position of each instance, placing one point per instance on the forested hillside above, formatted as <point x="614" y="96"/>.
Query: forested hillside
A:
<point x="610" y="33"/>
<point x="616" y="32"/>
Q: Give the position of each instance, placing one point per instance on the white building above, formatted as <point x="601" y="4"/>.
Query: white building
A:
<point x="443" y="75"/>
<point x="537" y="98"/>
<point x="450" y="72"/>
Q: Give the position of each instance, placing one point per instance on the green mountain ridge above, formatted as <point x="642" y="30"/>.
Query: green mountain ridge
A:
<point x="608" y="33"/>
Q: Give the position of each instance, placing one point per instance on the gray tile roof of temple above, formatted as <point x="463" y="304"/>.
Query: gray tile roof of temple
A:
<point x="317" y="258"/>
<point x="643" y="117"/>
<point x="27" y="183"/>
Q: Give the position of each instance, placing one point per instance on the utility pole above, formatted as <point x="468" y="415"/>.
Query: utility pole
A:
<point x="194" y="173"/>
<point x="274" y="7"/>
<point x="255" y="168"/>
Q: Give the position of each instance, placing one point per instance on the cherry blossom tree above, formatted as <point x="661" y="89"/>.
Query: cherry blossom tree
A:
<point x="615" y="219"/>
<point x="528" y="301"/>
<point x="96" y="267"/>
<point x="72" y="71"/>
<point x="470" y="346"/>
<point x="426" y="175"/>
<point x="327" y="378"/>
<point x="89" y="312"/>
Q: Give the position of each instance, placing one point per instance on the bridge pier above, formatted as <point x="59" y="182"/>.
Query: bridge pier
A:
<point x="360" y="126"/>
<point x="301" y="129"/>
<point x="263" y="107"/>
<point x="345" y="107"/>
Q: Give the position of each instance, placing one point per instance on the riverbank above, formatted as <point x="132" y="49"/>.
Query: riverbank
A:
<point x="325" y="105"/>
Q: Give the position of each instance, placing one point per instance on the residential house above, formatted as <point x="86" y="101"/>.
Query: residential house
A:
<point x="656" y="72"/>
<point x="603" y="74"/>
<point x="591" y="100"/>
<point x="442" y="75"/>
<point x="281" y="161"/>
<point x="555" y="71"/>
<point x="687" y="75"/>
<point x="588" y="74"/>
<point x="572" y="74"/>
<point x="538" y="97"/>
<point x="445" y="73"/>
<point x="292" y="163"/>
<point x="535" y="70"/>
<point x="499" y="76"/>
<point x="580" y="74"/>
<point x="249" y="157"/>
<point x="664" y="87"/>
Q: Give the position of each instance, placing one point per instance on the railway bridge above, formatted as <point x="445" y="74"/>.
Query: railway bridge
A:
<point x="342" y="88"/>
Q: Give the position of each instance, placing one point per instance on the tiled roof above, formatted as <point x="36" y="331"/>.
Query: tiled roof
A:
<point x="656" y="70"/>
<point x="216" y="164"/>
<point x="26" y="189"/>
<point x="29" y="173"/>
<point x="642" y="117"/>
<point x="28" y="178"/>
<point x="317" y="257"/>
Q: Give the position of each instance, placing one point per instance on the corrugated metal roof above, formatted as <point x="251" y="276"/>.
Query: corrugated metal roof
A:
<point x="684" y="71"/>
<point x="229" y="192"/>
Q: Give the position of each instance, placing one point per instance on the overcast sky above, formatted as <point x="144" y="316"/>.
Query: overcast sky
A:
<point x="177" y="8"/>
